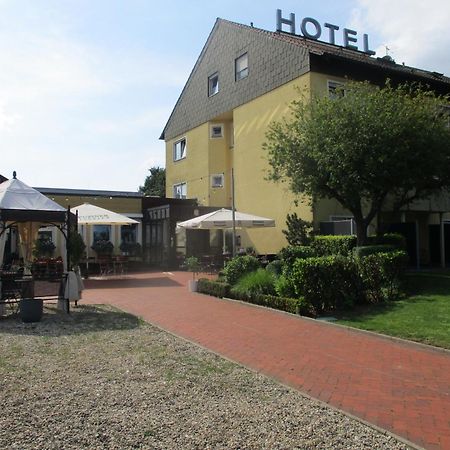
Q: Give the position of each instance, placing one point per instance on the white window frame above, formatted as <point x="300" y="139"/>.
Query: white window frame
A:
<point x="177" y="190"/>
<point x="216" y="177"/>
<point x="181" y="153"/>
<point x="332" y="85"/>
<point x="243" y="73"/>
<point x="212" y="134"/>
<point x="213" y="88"/>
<point x="345" y="218"/>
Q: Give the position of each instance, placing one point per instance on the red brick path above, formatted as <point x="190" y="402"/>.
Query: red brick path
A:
<point x="401" y="387"/>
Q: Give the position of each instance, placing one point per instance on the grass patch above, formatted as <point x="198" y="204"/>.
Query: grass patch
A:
<point x="423" y="316"/>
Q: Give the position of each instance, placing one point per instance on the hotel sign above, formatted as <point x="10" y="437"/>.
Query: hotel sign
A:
<point x="311" y="29"/>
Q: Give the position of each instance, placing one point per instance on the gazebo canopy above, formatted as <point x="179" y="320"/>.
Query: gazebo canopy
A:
<point x="22" y="203"/>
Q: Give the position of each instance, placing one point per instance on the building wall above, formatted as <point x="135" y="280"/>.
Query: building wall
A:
<point x="254" y="193"/>
<point x="128" y="206"/>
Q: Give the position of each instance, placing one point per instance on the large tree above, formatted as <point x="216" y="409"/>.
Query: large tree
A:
<point x="155" y="183"/>
<point x="363" y="145"/>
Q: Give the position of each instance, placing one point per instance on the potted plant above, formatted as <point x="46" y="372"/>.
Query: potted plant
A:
<point x="193" y="265"/>
<point x="103" y="247"/>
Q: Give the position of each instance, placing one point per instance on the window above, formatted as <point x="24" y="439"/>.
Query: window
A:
<point x="217" y="180"/>
<point x="216" y="131"/>
<point x="101" y="232"/>
<point x="335" y="89"/>
<point x="179" y="150"/>
<point x="128" y="233"/>
<point x="180" y="190"/>
<point x="241" y="67"/>
<point x="213" y="84"/>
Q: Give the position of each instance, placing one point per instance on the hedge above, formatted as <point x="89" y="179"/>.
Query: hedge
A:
<point x="366" y="250"/>
<point x="327" y="282"/>
<point x="214" y="288"/>
<point x="239" y="266"/>
<point x="382" y="275"/>
<point x="289" y="254"/>
<point x="333" y="245"/>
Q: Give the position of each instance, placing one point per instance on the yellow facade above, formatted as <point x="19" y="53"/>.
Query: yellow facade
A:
<point x="241" y="148"/>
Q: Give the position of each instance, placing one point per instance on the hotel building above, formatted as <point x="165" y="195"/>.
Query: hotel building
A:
<point x="244" y="79"/>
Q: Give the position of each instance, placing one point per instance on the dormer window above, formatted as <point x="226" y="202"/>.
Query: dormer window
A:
<point x="213" y="84"/>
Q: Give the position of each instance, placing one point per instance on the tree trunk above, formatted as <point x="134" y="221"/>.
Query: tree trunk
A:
<point x="361" y="232"/>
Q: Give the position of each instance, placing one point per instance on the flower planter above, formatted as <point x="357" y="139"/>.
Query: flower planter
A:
<point x="31" y="309"/>
<point x="193" y="285"/>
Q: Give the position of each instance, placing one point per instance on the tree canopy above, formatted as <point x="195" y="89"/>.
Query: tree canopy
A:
<point x="362" y="145"/>
<point x="155" y="183"/>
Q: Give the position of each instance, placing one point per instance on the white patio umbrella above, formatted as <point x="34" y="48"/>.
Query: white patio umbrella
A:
<point x="222" y="219"/>
<point x="94" y="215"/>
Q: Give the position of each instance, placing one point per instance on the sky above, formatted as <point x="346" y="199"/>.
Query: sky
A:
<point x="87" y="86"/>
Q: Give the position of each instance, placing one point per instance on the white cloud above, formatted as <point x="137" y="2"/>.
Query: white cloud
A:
<point x="416" y="31"/>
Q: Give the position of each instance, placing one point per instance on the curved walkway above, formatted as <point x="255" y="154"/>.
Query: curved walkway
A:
<point x="399" y="386"/>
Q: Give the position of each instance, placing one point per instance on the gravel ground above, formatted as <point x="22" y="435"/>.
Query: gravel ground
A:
<point x="103" y="379"/>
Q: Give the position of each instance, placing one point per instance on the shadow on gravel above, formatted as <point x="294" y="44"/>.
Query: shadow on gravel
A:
<point x="82" y="319"/>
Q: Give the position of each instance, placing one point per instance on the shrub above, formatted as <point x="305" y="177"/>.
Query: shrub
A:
<point x="214" y="288"/>
<point x="284" y="287"/>
<point x="382" y="275"/>
<point x="275" y="267"/>
<point x="239" y="266"/>
<point x="366" y="250"/>
<point x="395" y="239"/>
<point x="290" y="254"/>
<point x="103" y="247"/>
<point x="333" y="245"/>
<point x="298" y="231"/>
<point x="327" y="283"/>
<point x="254" y="283"/>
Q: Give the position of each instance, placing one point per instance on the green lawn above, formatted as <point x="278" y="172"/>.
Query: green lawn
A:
<point x="423" y="316"/>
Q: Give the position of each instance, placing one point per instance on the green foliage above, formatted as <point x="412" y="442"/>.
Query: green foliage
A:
<point x="382" y="274"/>
<point x="395" y="239"/>
<point x="298" y="230"/>
<point x="290" y="254"/>
<point x="259" y="282"/>
<point x="155" y="183"/>
<point x="103" y="247"/>
<point x="192" y="264"/>
<point x="366" y="250"/>
<point x="284" y="287"/>
<point x="327" y="282"/>
<point x="239" y="266"/>
<point x="361" y="147"/>
<point x="275" y="267"/>
<point x="43" y="247"/>
<point x="333" y="245"/>
<point x="76" y="247"/>
<point x="214" y="288"/>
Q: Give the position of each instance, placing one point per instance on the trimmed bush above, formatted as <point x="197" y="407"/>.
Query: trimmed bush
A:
<point x="327" y="283"/>
<point x="239" y="266"/>
<point x="289" y="254"/>
<point x="275" y="267"/>
<point x="395" y="239"/>
<point x="214" y="288"/>
<point x="366" y="250"/>
<point x="255" y="283"/>
<point x="333" y="245"/>
<point x="287" y="304"/>
<point x="382" y="275"/>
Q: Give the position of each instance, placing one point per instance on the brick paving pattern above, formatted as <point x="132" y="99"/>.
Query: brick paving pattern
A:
<point x="399" y="386"/>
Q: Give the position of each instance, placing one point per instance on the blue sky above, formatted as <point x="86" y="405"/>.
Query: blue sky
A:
<point x="86" y="87"/>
